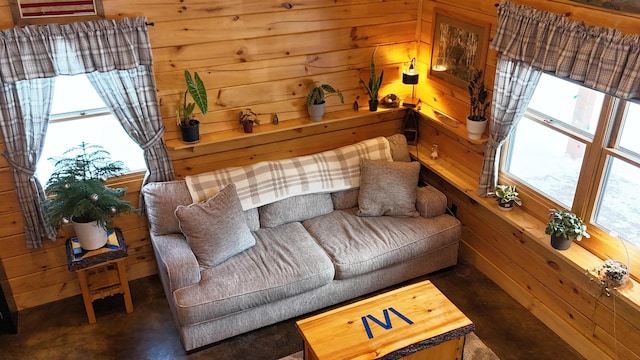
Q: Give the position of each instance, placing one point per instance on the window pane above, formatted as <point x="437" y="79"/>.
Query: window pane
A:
<point x="552" y="166"/>
<point x="100" y="130"/>
<point x="567" y="102"/>
<point x="630" y="132"/>
<point x="76" y="94"/>
<point x="619" y="204"/>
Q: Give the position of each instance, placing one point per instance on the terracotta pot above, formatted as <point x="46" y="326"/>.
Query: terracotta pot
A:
<point x="560" y="242"/>
<point x="316" y="111"/>
<point x="248" y="126"/>
<point x="90" y="235"/>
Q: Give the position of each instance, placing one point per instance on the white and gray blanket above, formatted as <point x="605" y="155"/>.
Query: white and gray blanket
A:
<point x="269" y="181"/>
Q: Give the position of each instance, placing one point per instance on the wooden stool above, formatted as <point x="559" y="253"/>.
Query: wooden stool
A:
<point x="100" y="272"/>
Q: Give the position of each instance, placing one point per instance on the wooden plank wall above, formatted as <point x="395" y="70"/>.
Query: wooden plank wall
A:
<point x="250" y="53"/>
<point x="554" y="290"/>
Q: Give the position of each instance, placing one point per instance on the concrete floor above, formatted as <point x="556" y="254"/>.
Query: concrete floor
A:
<point x="60" y="330"/>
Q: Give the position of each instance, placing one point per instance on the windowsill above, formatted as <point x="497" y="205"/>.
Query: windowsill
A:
<point x="576" y="256"/>
<point x="329" y="120"/>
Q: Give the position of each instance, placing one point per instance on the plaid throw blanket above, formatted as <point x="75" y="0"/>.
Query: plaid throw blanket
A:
<point x="268" y="181"/>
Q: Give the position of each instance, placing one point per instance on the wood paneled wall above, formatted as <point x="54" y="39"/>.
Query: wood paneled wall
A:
<point x="250" y="53"/>
<point x="516" y="256"/>
<point x="263" y="55"/>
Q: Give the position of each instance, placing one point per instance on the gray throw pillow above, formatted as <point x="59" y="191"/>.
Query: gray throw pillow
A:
<point x="215" y="229"/>
<point x="388" y="188"/>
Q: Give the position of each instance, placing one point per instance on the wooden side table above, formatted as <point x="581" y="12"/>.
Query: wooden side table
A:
<point x="100" y="272"/>
<point x="413" y="322"/>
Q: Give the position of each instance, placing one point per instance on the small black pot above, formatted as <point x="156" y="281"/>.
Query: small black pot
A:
<point x="191" y="132"/>
<point x="373" y="105"/>
<point x="247" y="127"/>
<point x="560" y="242"/>
<point x="508" y="206"/>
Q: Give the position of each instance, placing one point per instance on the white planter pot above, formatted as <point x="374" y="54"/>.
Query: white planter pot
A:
<point x="90" y="235"/>
<point x="316" y="111"/>
<point x="475" y="129"/>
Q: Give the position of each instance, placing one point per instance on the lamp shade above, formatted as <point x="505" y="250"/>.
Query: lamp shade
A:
<point x="410" y="75"/>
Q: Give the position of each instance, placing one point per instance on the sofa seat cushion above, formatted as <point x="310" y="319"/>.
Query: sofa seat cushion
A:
<point x="285" y="261"/>
<point x="358" y="245"/>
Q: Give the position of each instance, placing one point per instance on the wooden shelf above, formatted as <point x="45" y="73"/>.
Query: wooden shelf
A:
<point x="333" y="119"/>
<point x="454" y="126"/>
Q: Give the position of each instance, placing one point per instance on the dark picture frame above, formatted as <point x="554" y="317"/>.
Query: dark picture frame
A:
<point x="459" y="46"/>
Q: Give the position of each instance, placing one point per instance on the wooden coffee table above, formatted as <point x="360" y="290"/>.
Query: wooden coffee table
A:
<point x="412" y="322"/>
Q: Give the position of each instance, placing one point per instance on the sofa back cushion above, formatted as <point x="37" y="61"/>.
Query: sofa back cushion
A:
<point x="161" y="200"/>
<point x="295" y="208"/>
<point x="399" y="147"/>
<point x="345" y="199"/>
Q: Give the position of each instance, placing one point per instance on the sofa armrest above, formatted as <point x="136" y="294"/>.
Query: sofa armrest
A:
<point x="430" y="202"/>
<point x="176" y="262"/>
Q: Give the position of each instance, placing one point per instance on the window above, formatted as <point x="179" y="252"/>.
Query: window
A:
<point x="578" y="148"/>
<point x="78" y="114"/>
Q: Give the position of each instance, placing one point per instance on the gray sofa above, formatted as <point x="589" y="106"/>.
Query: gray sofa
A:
<point x="310" y="251"/>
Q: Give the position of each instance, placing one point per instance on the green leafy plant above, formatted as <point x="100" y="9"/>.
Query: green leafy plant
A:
<point x="77" y="188"/>
<point x="198" y="92"/>
<point x="318" y="94"/>
<point x="373" y="86"/>
<point x="506" y="194"/>
<point x="566" y="224"/>
<point x="247" y="116"/>
<point x="479" y="97"/>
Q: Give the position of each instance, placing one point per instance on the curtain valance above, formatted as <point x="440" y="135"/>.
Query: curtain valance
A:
<point x="600" y="58"/>
<point x="43" y="51"/>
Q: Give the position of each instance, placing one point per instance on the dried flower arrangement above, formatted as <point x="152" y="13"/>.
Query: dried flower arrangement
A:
<point x="611" y="274"/>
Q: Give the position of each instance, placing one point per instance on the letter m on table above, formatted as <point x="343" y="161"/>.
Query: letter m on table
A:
<point x="387" y="321"/>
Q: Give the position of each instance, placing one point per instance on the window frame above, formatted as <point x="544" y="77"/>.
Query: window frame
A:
<point x="590" y="181"/>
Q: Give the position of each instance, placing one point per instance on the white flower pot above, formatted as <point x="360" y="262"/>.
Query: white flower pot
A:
<point x="90" y="235"/>
<point x="316" y="111"/>
<point x="475" y="129"/>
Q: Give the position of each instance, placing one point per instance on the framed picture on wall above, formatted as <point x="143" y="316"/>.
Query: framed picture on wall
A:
<point x="459" y="46"/>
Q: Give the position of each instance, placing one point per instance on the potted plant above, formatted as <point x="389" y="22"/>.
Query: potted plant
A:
<point x="479" y="103"/>
<point x="189" y="126"/>
<point x="77" y="192"/>
<point x="316" y="100"/>
<point x="564" y="227"/>
<point x="507" y="197"/>
<point x="373" y="86"/>
<point x="247" y="119"/>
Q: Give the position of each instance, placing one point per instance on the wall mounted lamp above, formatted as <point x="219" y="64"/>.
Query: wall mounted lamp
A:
<point x="410" y="76"/>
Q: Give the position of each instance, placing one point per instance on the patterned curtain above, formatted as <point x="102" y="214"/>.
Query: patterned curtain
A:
<point x="29" y="58"/>
<point x="514" y="86"/>
<point x="529" y="41"/>
<point x="131" y="96"/>
<point x="24" y="110"/>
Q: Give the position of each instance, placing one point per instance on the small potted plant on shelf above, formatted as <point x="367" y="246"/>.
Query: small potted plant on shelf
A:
<point x="373" y="86"/>
<point x="189" y="126"/>
<point x="478" y="106"/>
<point x="507" y="197"/>
<point x="316" y="100"/>
<point x="247" y="119"/>
<point x="564" y="227"/>
<point x="77" y="193"/>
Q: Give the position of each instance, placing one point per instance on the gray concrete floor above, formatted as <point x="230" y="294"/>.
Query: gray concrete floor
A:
<point x="60" y="330"/>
